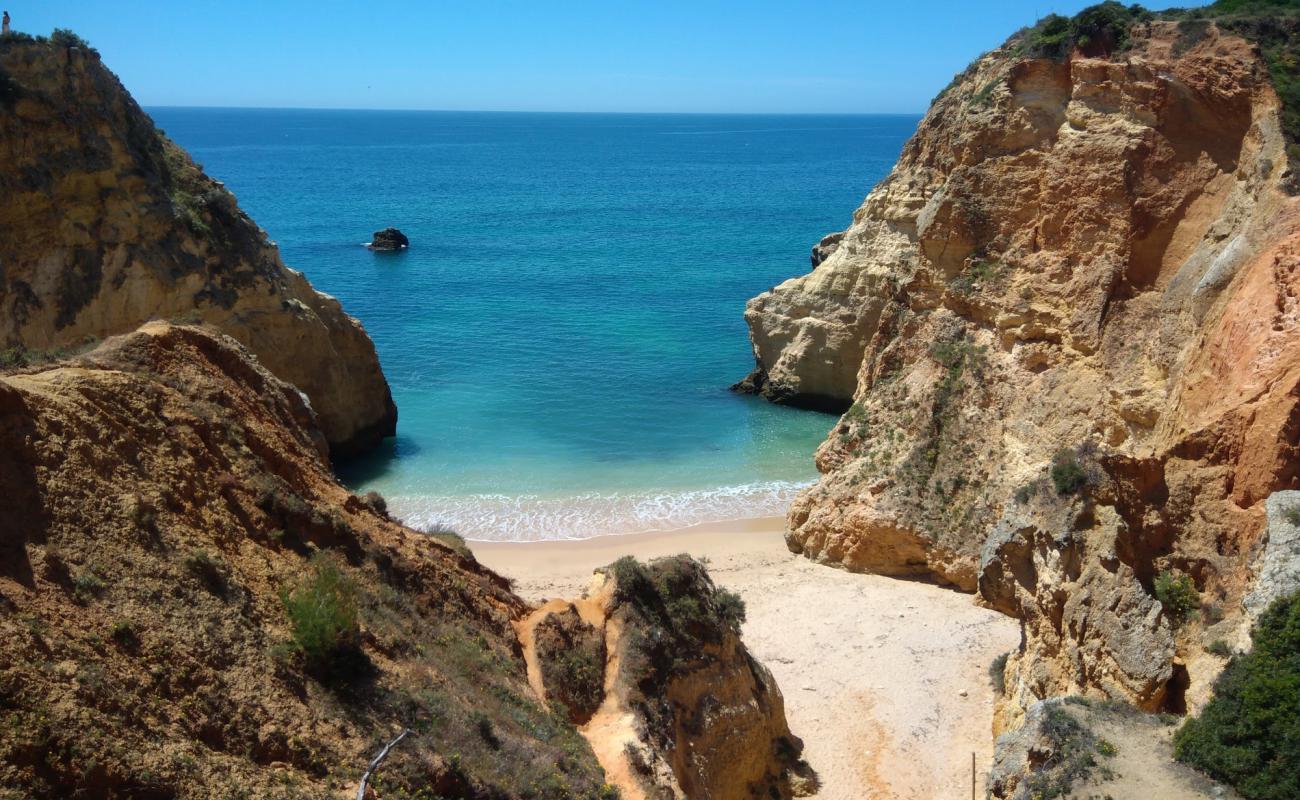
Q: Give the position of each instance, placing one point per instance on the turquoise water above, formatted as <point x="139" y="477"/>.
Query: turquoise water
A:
<point x="561" y="334"/>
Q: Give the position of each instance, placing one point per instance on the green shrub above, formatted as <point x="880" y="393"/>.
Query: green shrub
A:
<point x="450" y="539"/>
<point x="323" y="616"/>
<point x="998" y="673"/>
<point x="1248" y="734"/>
<point x="582" y="674"/>
<point x="1097" y="30"/>
<point x="1219" y="648"/>
<point x="87" y="585"/>
<point x="1068" y="474"/>
<point x="731" y="607"/>
<point x="206" y="568"/>
<point x="62" y="37"/>
<point x="1292" y="515"/>
<point x="124" y="634"/>
<point x="1176" y="593"/>
<point x="1070" y="756"/>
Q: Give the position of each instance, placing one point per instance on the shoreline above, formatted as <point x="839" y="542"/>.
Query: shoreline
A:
<point x="885" y="680"/>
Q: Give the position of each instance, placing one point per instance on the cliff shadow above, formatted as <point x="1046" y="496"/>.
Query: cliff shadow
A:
<point x="23" y="517"/>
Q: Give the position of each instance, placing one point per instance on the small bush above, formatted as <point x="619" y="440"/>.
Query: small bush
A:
<point x="1212" y="612"/>
<point x="87" y="585"/>
<point x="1219" y="648"/>
<point x="124" y="634"/>
<point x="450" y="539"/>
<point x="376" y="502"/>
<point x="323" y="616"/>
<point x="1247" y="734"/>
<point x="1292" y="515"/>
<point x="206" y="568"/>
<point x="1070" y="758"/>
<point x="62" y="37"/>
<point x="731" y="607"/>
<point x="998" y="673"/>
<point x="1177" y="594"/>
<point x="1068" y="474"/>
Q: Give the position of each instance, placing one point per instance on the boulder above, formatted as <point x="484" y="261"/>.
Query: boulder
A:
<point x="389" y="239"/>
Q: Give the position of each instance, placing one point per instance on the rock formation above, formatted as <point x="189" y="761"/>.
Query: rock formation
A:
<point x="1066" y="325"/>
<point x="106" y="224"/>
<point x="1073" y="747"/>
<point x="389" y="239"/>
<point x="673" y="703"/>
<point x="166" y="498"/>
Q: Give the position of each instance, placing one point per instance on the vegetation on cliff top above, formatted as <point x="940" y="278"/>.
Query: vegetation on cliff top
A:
<point x="1110" y="28"/>
<point x="1249" y="733"/>
<point x="680" y="615"/>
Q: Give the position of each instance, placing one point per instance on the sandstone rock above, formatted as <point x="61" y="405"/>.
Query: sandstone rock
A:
<point x="389" y="239"/>
<point x="161" y="494"/>
<point x="825" y="248"/>
<point x="1277" y="568"/>
<point x="686" y="711"/>
<point x="106" y="224"/>
<point x="1092" y="252"/>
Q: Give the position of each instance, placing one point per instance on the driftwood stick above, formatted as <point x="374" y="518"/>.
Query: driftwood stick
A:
<point x="376" y="761"/>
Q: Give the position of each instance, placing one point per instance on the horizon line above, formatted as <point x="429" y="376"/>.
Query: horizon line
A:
<point x="539" y="111"/>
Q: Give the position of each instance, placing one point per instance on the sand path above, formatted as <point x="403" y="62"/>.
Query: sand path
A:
<point x="884" y="680"/>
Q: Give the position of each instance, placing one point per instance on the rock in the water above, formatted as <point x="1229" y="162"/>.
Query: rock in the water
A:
<point x="389" y="239"/>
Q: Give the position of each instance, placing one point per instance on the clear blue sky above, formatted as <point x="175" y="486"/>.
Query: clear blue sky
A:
<point x="544" y="55"/>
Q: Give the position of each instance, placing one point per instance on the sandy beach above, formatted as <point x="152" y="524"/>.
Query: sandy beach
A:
<point x="885" y="680"/>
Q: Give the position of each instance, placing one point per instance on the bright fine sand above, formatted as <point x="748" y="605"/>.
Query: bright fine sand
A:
<point x="885" y="680"/>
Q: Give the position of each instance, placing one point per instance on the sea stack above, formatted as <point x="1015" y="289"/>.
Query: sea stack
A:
<point x="389" y="240"/>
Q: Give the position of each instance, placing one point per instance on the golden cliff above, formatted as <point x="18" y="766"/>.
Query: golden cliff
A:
<point x="192" y="606"/>
<point x="168" y="498"/>
<point x="106" y="224"/>
<point x="1064" y="328"/>
<point x="650" y="662"/>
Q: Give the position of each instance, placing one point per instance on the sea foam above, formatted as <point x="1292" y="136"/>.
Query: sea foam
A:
<point x="504" y="518"/>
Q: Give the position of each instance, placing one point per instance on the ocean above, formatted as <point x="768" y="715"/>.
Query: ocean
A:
<point x="561" y="333"/>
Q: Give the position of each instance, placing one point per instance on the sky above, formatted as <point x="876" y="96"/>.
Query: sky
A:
<point x="765" y="56"/>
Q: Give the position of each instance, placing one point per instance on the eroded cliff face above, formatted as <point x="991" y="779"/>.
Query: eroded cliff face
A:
<point x="672" y="702"/>
<point x="105" y="224"/>
<point x="164" y="496"/>
<point x="1089" y="264"/>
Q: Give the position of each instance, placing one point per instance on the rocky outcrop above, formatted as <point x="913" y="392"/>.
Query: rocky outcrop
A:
<point x="166" y="497"/>
<point x="1277" y="567"/>
<point x="1066" y="323"/>
<point x="683" y="710"/>
<point x="389" y="240"/>
<point x="1073" y="747"/>
<point x="106" y="224"/>
<point x="825" y="248"/>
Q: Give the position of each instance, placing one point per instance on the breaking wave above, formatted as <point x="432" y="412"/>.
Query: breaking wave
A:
<point x="502" y="518"/>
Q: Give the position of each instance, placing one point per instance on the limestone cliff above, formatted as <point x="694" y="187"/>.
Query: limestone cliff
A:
<point x="167" y="505"/>
<point x="673" y="703"/>
<point x="106" y="224"/>
<point x="1066" y="323"/>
